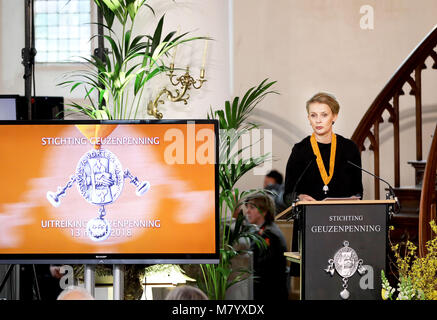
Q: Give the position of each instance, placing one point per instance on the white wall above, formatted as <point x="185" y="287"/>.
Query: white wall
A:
<point x="201" y="17"/>
<point x="11" y="43"/>
<point x="318" y="45"/>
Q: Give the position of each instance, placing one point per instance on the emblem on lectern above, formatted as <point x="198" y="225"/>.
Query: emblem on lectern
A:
<point x="99" y="177"/>
<point x="346" y="263"/>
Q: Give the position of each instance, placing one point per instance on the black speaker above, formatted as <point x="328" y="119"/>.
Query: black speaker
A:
<point x="43" y="108"/>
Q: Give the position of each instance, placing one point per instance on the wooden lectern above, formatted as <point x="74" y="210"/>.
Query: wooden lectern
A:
<point x="343" y="246"/>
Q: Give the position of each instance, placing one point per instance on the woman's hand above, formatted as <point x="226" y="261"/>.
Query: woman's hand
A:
<point x="305" y="197"/>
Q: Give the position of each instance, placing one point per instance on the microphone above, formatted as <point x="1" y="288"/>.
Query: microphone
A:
<point x="293" y="193"/>
<point x="295" y="215"/>
<point x="391" y="191"/>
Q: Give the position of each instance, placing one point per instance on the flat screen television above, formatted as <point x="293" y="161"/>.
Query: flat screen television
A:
<point x="115" y="192"/>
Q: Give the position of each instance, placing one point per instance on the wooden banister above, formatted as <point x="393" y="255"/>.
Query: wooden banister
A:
<point x="427" y="208"/>
<point x="388" y="99"/>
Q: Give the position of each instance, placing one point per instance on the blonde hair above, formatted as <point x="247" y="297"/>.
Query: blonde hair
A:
<point x="326" y="98"/>
<point x="75" y="293"/>
<point x="186" y="293"/>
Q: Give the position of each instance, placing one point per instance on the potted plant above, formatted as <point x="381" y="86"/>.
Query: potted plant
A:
<point x="234" y="123"/>
<point x="114" y="84"/>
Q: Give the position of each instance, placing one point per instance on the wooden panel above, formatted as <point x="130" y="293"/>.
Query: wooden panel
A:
<point x="396" y="143"/>
<point x="428" y="196"/>
<point x="376" y="159"/>
<point x="418" y="94"/>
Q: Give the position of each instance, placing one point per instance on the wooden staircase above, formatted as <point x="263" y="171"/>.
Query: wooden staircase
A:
<point x="410" y="218"/>
<point x="406" y="222"/>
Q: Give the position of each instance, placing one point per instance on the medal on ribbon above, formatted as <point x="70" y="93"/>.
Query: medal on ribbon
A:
<point x="100" y="178"/>
<point x="326" y="179"/>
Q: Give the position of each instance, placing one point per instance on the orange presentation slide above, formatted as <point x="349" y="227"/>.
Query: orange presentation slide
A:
<point x="127" y="188"/>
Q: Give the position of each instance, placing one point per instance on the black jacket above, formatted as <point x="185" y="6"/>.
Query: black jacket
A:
<point x="346" y="181"/>
<point x="270" y="278"/>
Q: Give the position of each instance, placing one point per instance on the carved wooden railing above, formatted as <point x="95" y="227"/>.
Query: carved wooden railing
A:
<point x="388" y="100"/>
<point x="427" y="208"/>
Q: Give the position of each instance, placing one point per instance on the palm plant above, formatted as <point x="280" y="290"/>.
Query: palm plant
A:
<point x="114" y="84"/>
<point x="233" y="121"/>
<point x="118" y="79"/>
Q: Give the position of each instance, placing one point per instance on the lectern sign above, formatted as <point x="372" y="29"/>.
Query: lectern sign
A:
<point x="343" y="249"/>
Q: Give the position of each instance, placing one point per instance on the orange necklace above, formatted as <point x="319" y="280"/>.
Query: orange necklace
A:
<point x="326" y="179"/>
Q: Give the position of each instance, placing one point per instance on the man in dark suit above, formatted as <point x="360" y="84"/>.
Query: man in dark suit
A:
<point x="273" y="181"/>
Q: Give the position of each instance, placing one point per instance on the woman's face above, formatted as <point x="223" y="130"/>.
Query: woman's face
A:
<point x="321" y="118"/>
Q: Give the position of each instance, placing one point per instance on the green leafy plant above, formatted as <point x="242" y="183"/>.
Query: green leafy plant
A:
<point x="233" y="121"/>
<point x="114" y="84"/>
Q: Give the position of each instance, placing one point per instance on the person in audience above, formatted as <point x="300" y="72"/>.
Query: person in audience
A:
<point x="273" y="183"/>
<point x="270" y="278"/>
<point x="75" y="293"/>
<point x="186" y="293"/>
<point x="272" y="178"/>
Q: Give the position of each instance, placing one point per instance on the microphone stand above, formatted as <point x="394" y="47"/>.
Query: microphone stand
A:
<point x="295" y="213"/>
<point x="391" y="193"/>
